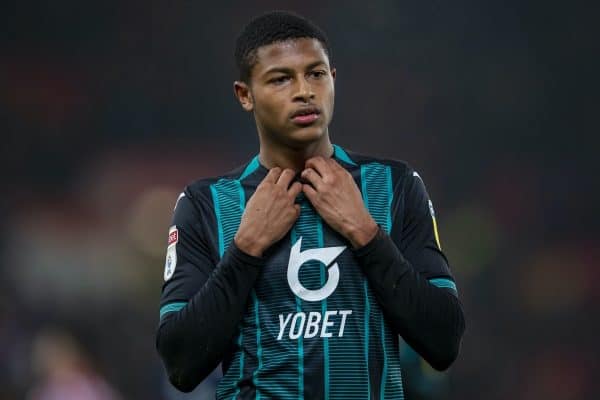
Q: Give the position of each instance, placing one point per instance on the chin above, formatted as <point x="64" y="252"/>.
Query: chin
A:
<point x="307" y="134"/>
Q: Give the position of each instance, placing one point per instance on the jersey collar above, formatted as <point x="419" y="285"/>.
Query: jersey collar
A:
<point x="255" y="167"/>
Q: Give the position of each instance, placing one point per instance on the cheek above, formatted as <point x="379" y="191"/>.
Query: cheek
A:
<point x="329" y="99"/>
<point x="269" y="109"/>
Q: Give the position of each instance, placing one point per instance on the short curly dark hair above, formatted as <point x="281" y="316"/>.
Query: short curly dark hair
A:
<point x="274" y="26"/>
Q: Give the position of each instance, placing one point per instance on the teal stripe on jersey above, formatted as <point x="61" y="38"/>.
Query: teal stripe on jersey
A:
<point x="377" y="191"/>
<point x="443" y="283"/>
<point x="308" y="227"/>
<point x="229" y="203"/>
<point x="367" y="334"/>
<point x="258" y="345"/>
<point x="300" y="347"/>
<point x="216" y="202"/>
<point x="368" y="296"/>
<point x="171" y="307"/>
<point x="252" y="166"/>
<point x="323" y="277"/>
<point x="384" y="372"/>
<point x="340" y="153"/>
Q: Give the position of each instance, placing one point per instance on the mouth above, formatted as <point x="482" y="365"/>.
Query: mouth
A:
<point x="306" y="115"/>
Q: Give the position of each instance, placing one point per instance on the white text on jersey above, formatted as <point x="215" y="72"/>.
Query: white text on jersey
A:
<point x="299" y="324"/>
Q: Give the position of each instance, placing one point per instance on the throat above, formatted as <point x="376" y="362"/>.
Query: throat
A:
<point x="293" y="158"/>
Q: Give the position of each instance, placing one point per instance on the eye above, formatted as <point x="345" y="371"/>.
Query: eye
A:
<point x="317" y="74"/>
<point x="279" y="80"/>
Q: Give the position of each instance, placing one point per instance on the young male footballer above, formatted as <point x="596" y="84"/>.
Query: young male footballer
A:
<point x="299" y="270"/>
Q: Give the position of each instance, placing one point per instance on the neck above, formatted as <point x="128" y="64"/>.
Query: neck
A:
<point x="285" y="156"/>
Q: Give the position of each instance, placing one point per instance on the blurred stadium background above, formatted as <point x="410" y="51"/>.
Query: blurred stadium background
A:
<point x="109" y="108"/>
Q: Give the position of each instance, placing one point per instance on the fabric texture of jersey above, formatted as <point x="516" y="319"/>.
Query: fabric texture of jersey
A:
<point x="312" y="327"/>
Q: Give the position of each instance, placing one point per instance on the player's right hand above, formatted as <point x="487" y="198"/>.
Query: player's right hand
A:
<point x="270" y="212"/>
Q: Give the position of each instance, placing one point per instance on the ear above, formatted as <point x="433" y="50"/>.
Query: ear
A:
<point x="333" y="73"/>
<point x="243" y="94"/>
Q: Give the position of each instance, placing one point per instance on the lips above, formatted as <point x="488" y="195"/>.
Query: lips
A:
<point x="306" y="111"/>
<point x="306" y="115"/>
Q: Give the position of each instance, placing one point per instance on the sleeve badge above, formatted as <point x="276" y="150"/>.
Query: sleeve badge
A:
<point x="171" y="260"/>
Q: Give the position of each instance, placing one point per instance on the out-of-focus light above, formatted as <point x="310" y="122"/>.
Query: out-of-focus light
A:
<point x="149" y="220"/>
<point x="553" y="281"/>
<point x="470" y="237"/>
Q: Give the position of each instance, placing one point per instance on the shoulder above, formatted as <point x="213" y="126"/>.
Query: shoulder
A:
<point x="199" y="190"/>
<point x="194" y="207"/>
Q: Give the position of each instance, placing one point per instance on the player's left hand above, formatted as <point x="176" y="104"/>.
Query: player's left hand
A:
<point x="335" y="196"/>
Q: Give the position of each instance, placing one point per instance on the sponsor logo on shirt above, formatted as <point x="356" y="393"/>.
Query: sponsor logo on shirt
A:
<point x="313" y="324"/>
<point x="326" y="255"/>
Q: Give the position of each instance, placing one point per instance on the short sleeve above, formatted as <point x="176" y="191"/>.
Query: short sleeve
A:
<point x="420" y="241"/>
<point x="188" y="261"/>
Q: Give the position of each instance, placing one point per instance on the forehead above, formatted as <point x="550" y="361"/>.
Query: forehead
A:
<point x="290" y="53"/>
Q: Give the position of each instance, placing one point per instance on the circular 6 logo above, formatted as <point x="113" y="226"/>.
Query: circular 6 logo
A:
<point x="326" y="255"/>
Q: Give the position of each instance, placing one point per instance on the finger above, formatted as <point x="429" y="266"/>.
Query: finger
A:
<point x="273" y="175"/>
<point x="286" y="177"/>
<point x="295" y="189"/>
<point x="334" y="165"/>
<point x="310" y="192"/>
<point x="318" y="164"/>
<point x="336" y="168"/>
<point x="312" y="177"/>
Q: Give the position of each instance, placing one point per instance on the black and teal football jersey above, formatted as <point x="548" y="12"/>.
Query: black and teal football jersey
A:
<point x="304" y="321"/>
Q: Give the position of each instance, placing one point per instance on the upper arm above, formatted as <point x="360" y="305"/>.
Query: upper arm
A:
<point x="188" y="261"/>
<point x="418" y="235"/>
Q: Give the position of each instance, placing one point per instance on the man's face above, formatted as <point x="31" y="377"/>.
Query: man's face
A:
<point x="291" y="91"/>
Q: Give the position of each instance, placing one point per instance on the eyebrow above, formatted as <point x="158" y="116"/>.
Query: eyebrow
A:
<point x="286" y="70"/>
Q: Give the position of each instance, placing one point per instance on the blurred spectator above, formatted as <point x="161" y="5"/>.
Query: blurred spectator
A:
<point x="64" y="372"/>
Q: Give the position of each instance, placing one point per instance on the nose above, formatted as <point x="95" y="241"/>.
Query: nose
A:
<point x="304" y="91"/>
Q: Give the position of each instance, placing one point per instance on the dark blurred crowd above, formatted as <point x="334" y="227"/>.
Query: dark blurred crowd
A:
<point x="109" y="108"/>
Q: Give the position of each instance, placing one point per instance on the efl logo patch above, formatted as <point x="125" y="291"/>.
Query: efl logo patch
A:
<point x="171" y="261"/>
<point x="173" y="236"/>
